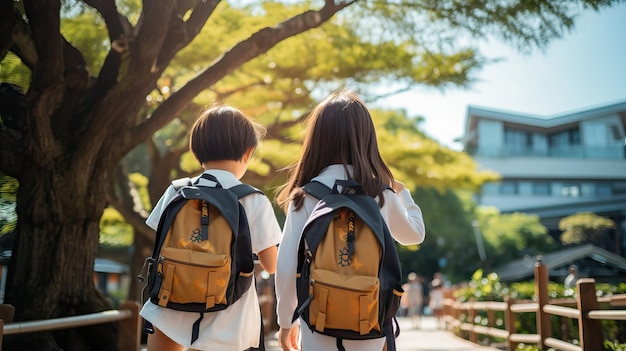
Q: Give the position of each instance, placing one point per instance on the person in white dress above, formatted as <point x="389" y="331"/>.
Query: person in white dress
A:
<point x="340" y="143"/>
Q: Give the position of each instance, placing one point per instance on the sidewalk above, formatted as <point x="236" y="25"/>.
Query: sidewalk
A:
<point x="427" y="338"/>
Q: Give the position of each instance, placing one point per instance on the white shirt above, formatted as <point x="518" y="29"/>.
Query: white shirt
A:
<point x="237" y="327"/>
<point x="405" y="222"/>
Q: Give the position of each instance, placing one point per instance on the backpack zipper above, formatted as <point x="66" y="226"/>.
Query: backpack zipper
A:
<point x="186" y="263"/>
<point x="342" y="287"/>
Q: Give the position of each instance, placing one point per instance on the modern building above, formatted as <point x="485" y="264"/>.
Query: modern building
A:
<point x="554" y="166"/>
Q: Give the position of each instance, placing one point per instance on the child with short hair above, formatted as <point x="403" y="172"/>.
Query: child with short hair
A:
<point x="340" y="144"/>
<point x="223" y="140"/>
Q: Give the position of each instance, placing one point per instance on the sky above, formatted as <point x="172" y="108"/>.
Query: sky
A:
<point x="586" y="68"/>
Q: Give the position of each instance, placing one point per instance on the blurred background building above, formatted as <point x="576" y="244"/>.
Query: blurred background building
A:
<point x="554" y="166"/>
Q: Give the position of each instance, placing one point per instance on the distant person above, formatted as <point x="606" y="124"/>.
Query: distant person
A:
<point x="413" y="299"/>
<point x="435" y="301"/>
<point x="572" y="277"/>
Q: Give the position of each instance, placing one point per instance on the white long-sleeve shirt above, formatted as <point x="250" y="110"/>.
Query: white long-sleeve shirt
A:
<point x="405" y="222"/>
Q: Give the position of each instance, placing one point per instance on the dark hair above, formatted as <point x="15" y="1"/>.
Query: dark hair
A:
<point x="223" y="132"/>
<point x="340" y="131"/>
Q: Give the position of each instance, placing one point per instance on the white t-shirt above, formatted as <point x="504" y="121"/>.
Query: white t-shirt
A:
<point x="405" y="222"/>
<point x="237" y="327"/>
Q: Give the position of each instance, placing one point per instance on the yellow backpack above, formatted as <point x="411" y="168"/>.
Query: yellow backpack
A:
<point x="202" y="259"/>
<point x="349" y="282"/>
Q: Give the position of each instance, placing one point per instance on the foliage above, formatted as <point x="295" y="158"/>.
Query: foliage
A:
<point x="512" y="235"/>
<point x="614" y="345"/>
<point x="608" y="345"/>
<point x="482" y="287"/>
<point x="13" y="71"/>
<point x="8" y="216"/>
<point x="114" y="230"/>
<point x="449" y="246"/>
<point x="584" y="227"/>
<point x="105" y="76"/>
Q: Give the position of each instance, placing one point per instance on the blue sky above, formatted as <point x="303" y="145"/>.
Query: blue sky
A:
<point x="586" y="68"/>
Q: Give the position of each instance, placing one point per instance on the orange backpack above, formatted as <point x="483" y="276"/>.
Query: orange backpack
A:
<point x="202" y="259"/>
<point x="349" y="282"/>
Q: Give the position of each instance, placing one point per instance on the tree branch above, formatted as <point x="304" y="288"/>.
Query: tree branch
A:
<point x="244" y="51"/>
<point x="182" y="33"/>
<point x="122" y="200"/>
<point x="120" y="33"/>
<point x="12" y="151"/>
<point x="46" y="90"/>
<point x="152" y="30"/>
<point x="76" y="80"/>
<point x="112" y="18"/>
<point x="23" y="45"/>
<point x="7" y="22"/>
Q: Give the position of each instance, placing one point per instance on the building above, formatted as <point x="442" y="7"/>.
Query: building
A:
<point x="554" y="166"/>
<point x="591" y="262"/>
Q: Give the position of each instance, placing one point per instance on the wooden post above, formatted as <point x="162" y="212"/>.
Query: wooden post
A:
<point x="129" y="332"/>
<point x="471" y="314"/>
<point x="565" y="325"/>
<point x="590" y="330"/>
<point x="541" y="290"/>
<point x="7" y="313"/>
<point x="509" y="323"/>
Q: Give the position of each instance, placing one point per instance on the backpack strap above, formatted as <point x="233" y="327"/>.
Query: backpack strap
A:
<point x="242" y="190"/>
<point x="317" y="189"/>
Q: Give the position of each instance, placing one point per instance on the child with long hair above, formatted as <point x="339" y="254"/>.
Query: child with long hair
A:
<point x="340" y="144"/>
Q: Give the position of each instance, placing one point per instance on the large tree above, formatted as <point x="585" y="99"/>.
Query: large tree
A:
<point x="79" y="121"/>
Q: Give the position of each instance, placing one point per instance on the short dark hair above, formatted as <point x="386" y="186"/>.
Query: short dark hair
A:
<point x="223" y="132"/>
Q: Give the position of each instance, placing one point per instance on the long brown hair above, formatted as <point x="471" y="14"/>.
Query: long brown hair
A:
<point x="340" y="130"/>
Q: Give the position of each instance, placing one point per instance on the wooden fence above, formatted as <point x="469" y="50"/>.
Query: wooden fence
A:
<point x="585" y="309"/>
<point x="129" y="331"/>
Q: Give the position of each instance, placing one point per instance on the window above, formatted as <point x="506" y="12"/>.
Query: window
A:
<point x="615" y="133"/>
<point x="518" y="138"/>
<point x="541" y="188"/>
<point x="490" y="189"/>
<point x="508" y="188"/>
<point x="570" y="190"/>
<point x="565" y="138"/>
<point x="619" y="188"/>
<point x="604" y="189"/>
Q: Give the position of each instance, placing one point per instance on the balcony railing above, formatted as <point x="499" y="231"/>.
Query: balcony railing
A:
<point x="614" y="152"/>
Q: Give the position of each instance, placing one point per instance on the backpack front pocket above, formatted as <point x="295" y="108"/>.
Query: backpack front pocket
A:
<point x="344" y="302"/>
<point x="205" y="276"/>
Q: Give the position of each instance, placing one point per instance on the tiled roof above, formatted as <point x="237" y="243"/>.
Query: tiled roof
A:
<point x="523" y="269"/>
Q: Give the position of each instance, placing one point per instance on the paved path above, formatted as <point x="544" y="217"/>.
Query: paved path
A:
<point x="427" y="338"/>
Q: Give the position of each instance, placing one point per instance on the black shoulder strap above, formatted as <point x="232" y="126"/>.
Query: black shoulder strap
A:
<point x="317" y="189"/>
<point x="243" y="190"/>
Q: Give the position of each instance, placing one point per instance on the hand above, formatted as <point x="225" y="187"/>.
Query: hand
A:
<point x="398" y="186"/>
<point x="288" y="338"/>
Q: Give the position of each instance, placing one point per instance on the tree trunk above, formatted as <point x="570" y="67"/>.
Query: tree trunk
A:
<point x="51" y="273"/>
